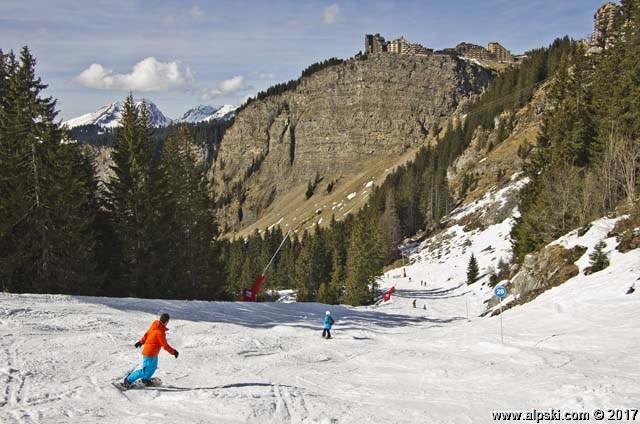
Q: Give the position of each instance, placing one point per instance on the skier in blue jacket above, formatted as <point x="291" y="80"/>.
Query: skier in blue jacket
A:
<point x="328" y="322"/>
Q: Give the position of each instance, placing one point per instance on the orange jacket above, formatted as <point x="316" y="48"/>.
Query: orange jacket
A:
<point x="154" y="339"/>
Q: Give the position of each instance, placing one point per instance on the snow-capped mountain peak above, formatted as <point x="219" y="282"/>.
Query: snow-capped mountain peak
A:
<point x="109" y="115"/>
<point x="197" y="114"/>
<point x="208" y="113"/>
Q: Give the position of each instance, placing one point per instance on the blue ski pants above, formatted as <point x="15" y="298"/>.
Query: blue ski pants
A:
<point x="149" y="366"/>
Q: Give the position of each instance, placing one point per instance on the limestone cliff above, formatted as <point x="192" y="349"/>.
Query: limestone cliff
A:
<point x="333" y="121"/>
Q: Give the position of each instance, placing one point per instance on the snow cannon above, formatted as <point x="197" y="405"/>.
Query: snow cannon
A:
<point x="251" y="295"/>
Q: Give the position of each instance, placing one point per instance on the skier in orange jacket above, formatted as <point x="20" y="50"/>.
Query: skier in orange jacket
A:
<point x="153" y="340"/>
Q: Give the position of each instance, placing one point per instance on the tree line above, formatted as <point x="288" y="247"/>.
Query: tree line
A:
<point x="291" y="84"/>
<point x="207" y="134"/>
<point x="149" y="232"/>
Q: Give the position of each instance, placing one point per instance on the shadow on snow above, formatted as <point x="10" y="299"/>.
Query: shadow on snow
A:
<point x="265" y="314"/>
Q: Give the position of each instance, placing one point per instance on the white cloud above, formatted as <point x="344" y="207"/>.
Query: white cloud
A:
<point x="265" y="76"/>
<point x="232" y="84"/>
<point x="332" y="14"/>
<point x="147" y="75"/>
<point x="229" y="86"/>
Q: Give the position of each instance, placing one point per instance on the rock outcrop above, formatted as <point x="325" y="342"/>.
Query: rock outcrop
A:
<point x="550" y="267"/>
<point x="333" y="120"/>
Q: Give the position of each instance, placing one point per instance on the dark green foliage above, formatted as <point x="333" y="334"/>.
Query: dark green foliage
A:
<point x="160" y="215"/>
<point x="598" y="260"/>
<point x="208" y="134"/>
<point x="365" y="259"/>
<point x="312" y="69"/>
<point x="48" y="207"/>
<point x="472" y="270"/>
<point x="190" y="249"/>
<point x="390" y="230"/>
<point x="132" y="203"/>
<point x="93" y="135"/>
<point x="583" y="163"/>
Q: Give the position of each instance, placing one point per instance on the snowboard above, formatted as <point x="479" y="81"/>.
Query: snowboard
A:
<point x="153" y="382"/>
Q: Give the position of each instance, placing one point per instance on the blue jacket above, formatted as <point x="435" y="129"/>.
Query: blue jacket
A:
<point x="327" y="322"/>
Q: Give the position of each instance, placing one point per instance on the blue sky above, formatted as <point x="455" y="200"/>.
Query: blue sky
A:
<point x="179" y="54"/>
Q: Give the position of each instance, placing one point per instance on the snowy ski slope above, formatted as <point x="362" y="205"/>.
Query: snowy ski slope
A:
<point x="574" y="348"/>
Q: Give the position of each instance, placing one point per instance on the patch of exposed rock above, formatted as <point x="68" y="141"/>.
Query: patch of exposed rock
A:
<point x="548" y="268"/>
<point x="333" y="120"/>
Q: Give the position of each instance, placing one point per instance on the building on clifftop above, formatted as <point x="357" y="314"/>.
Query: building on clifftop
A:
<point x="499" y="53"/>
<point x="374" y="44"/>
<point x="603" y="26"/>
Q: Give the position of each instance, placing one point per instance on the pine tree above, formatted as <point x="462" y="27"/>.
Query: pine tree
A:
<point x="598" y="259"/>
<point x="251" y="269"/>
<point x="132" y="203"/>
<point x="234" y="263"/>
<point x="472" y="270"/>
<point x="337" y="241"/>
<point x="304" y="279"/>
<point x="365" y="259"/>
<point x="283" y="276"/>
<point x="48" y="204"/>
<point x="187" y="217"/>
<point x="390" y="227"/>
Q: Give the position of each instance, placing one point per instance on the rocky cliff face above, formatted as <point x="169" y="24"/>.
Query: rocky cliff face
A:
<point x="331" y="121"/>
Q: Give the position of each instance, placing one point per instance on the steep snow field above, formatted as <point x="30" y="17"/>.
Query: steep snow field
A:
<point x="573" y="348"/>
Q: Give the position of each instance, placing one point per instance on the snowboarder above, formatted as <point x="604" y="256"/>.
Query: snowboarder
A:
<point x="153" y="340"/>
<point x="414" y="303"/>
<point x="328" y="322"/>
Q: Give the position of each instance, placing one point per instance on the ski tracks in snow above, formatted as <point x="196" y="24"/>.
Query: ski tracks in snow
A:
<point x="13" y="401"/>
<point x="282" y="404"/>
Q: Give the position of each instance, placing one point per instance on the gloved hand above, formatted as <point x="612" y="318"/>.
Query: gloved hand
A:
<point x="175" y="353"/>
<point x="138" y="344"/>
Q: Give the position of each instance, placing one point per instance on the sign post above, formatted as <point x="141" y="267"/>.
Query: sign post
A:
<point x="500" y="292"/>
<point x="466" y="305"/>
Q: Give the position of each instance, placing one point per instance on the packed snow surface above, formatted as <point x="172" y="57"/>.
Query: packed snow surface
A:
<point x="573" y="348"/>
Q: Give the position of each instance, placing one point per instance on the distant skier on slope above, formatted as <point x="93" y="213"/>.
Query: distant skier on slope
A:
<point x="328" y="322"/>
<point x="152" y="340"/>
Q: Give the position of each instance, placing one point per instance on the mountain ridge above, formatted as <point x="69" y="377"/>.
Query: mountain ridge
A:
<point x="108" y="116"/>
